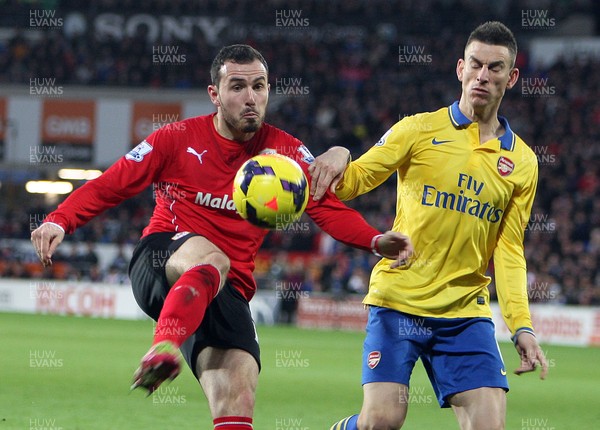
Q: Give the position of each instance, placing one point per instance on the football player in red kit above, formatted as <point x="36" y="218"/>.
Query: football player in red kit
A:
<point x="192" y="269"/>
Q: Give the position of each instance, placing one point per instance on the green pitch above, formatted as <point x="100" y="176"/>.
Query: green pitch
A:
<point x="74" y="373"/>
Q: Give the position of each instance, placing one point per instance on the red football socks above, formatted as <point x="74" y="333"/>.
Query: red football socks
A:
<point x="186" y="304"/>
<point x="233" y="423"/>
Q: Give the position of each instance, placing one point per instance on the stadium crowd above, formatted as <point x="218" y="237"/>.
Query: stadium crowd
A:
<point x="346" y="91"/>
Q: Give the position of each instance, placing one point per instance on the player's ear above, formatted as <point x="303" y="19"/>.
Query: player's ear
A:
<point x="460" y="67"/>
<point x="213" y="93"/>
<point x="513" y="77"/>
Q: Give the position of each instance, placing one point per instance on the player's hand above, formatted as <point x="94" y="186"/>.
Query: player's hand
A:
<point x="45" y="239"/>
<point x="531" y="355"/>
<point x="395" y="246"/>
<point x="327" y="170"/>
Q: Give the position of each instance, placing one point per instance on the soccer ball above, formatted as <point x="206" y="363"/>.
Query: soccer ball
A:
<point x="270" y="191"/>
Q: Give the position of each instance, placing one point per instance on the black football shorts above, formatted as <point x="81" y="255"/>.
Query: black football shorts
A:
<point x="227" y="323"/>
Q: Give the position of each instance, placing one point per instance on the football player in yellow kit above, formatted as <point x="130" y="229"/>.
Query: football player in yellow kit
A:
<point x="466" y="185"/>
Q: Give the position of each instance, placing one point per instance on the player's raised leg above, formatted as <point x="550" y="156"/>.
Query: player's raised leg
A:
<point x="196" y="272"/>
<point x="228" y="378"/>
<point x="480" y="409"/>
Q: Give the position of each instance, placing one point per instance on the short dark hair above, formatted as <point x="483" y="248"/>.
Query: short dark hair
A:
<point x="495" y="33"/>
<point x="240" y="54"/>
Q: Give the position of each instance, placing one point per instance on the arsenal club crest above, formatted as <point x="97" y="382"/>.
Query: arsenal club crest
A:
<point x="373" y="359"/>
<point x="505" y="166"/>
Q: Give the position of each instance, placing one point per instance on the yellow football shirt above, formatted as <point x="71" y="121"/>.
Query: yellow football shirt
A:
<point x="461" y="203"/>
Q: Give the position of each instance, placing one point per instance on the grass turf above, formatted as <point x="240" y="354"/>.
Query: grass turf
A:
<point x="62" y="373"/>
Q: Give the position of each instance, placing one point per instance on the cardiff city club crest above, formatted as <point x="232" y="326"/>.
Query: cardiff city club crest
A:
<point x="505" y="166"/>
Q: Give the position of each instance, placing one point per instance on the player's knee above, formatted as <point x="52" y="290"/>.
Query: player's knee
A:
<point x="178" y="266"/>
<point x="221" y="262"/>
<point x="245" y="400"/>
<point x="381" y="420"/>
<point x="488" y="423"/>
<point x="237" y="402"/>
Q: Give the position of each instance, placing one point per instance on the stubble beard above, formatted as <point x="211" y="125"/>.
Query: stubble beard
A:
<point x="242" y="125"/>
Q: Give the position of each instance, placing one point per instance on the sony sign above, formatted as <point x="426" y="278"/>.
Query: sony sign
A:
<point x="156" y="28"/>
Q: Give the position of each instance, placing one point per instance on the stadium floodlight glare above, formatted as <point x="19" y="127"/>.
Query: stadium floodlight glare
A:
<point x="49" y="187"/>
<point x="78" y="174"/>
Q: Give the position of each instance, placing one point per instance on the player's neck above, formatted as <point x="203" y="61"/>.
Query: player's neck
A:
<point x="486" y="119"/>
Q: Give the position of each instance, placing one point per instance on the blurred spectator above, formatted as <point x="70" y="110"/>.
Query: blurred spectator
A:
<point x="289" y="291"/>
<point x="120" y="263"/>
<point x="358" y="281"/>
<point x="116" y="276"/>
<point x="88" y="261"/>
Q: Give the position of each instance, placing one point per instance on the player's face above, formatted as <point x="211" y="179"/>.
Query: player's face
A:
<point x="486" y="72"/>
<point x="241" y="98"/>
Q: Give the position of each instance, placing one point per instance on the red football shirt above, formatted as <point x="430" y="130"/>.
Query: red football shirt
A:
<point x="192" y="168"/>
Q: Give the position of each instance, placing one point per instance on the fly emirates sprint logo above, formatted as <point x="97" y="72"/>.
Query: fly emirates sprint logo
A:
<point x="461" y="202"/>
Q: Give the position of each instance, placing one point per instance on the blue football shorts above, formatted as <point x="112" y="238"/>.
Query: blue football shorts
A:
<point x="459" y="354"/>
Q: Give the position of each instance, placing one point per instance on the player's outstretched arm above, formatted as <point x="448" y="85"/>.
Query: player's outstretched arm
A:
<point x="327" y="170"/>
<point x="395" y="246"/>
<point x="46" y="239"/>
<point x="531" y="355"/>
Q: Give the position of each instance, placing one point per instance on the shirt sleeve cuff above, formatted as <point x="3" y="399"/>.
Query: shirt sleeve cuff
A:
<point x="521" y="330"/>
<point x="58" y="225"/>
<point x="374" y="247"/>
